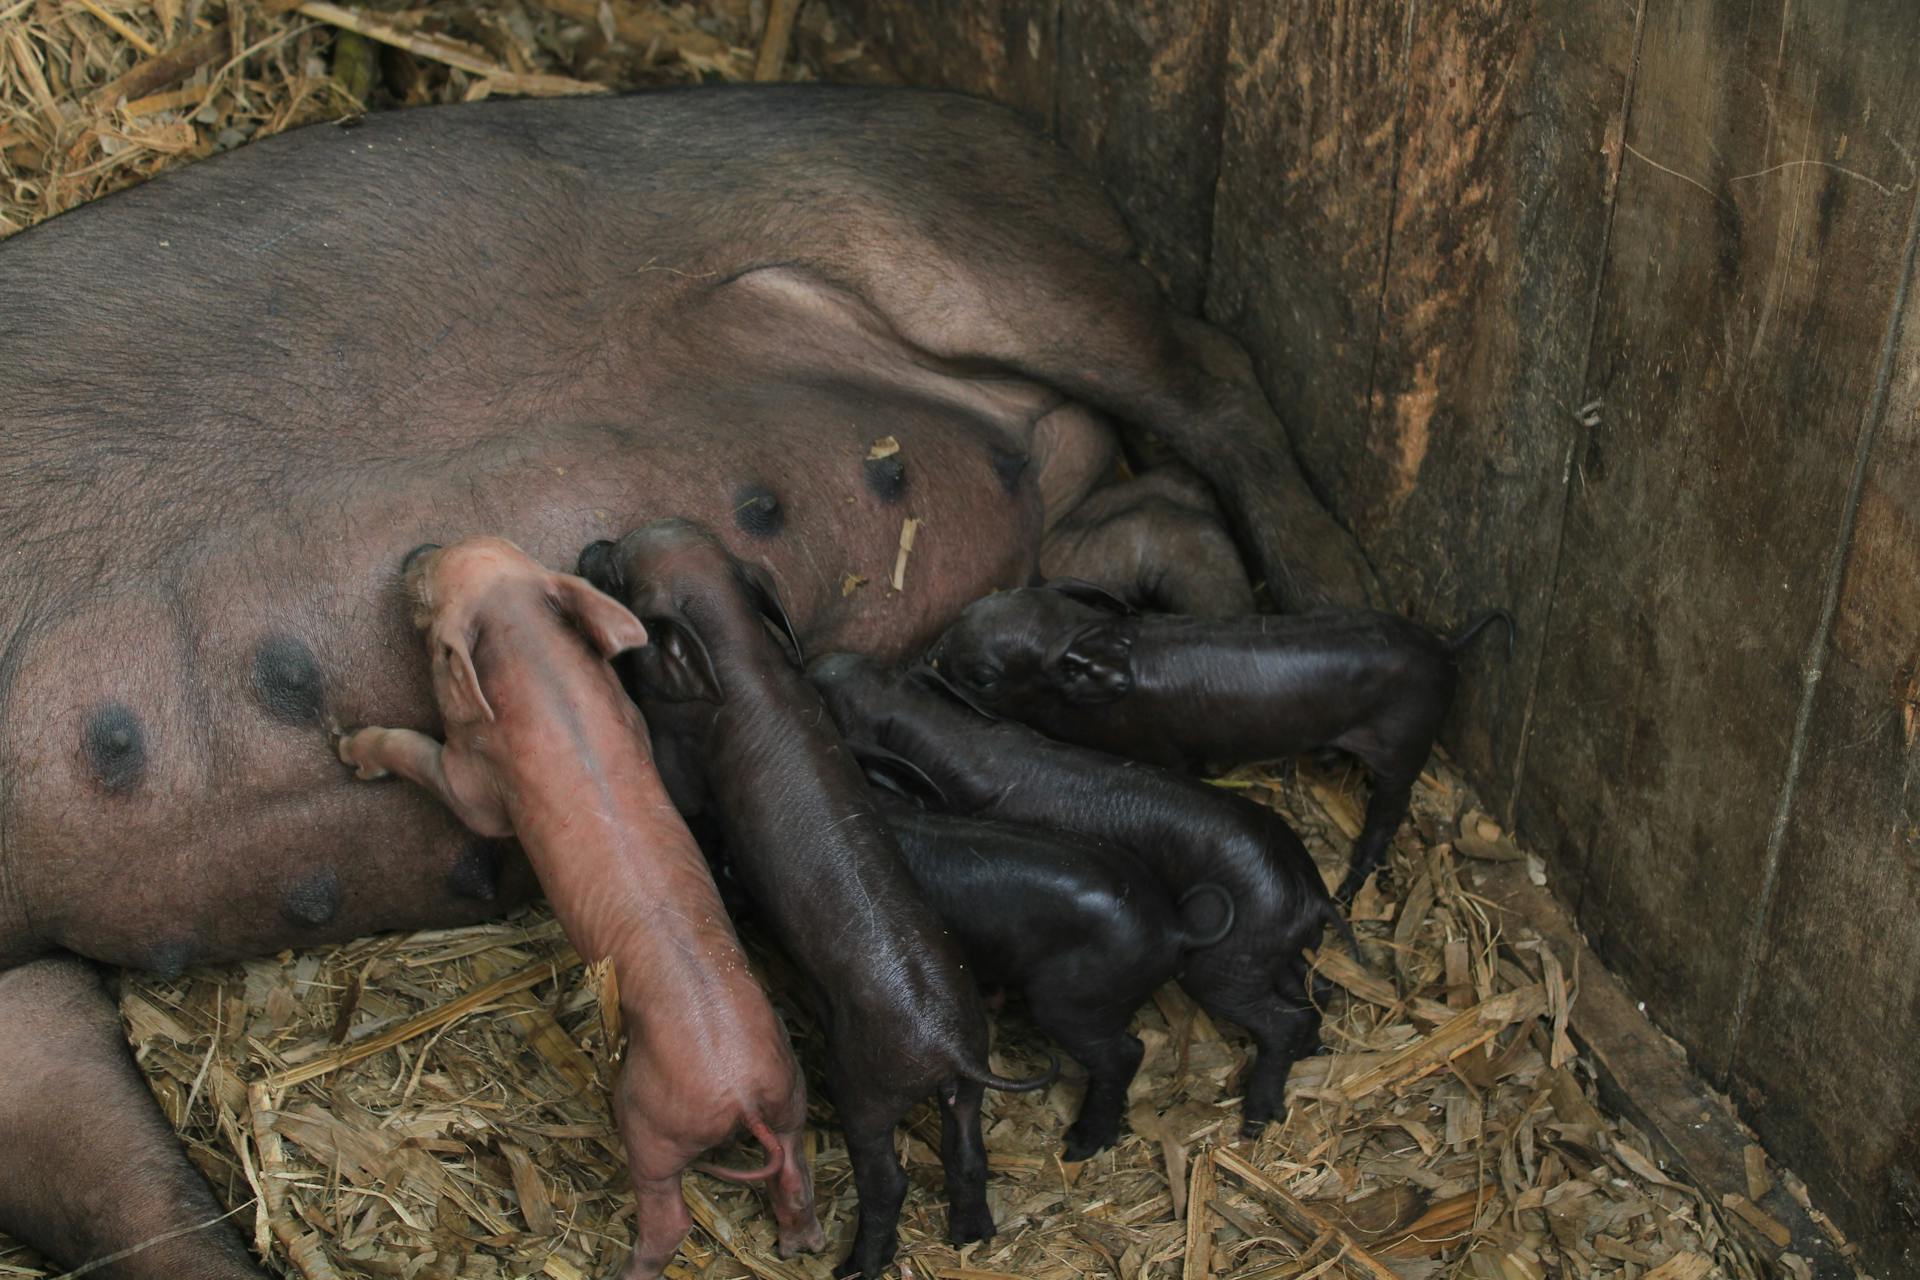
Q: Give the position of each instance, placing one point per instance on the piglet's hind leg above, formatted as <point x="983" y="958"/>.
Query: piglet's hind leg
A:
<point x="792" y="1193"/>
<point x="661" y="1222"/>
<point x="963" y="1153"/>
<point x="1097" y="1038"/>
<point x="91" y="1167"/>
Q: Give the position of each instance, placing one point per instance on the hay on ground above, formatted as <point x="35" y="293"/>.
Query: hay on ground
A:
<point x="96" y="95"/>
<point x="433" y="1105"/>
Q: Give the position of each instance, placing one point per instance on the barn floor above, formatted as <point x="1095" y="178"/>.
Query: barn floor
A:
<point x="430" y="1105"/>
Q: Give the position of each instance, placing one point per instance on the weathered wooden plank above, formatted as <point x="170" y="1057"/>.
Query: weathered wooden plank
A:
<point x="1749" y="284"/>
<point x="1139" y="102"/>
<point x="1509" y="149"/>
<point x="999" y="49"/>
<point x="1302" y="210"/>
<point x="1643" y="1078"/>
<point x="1825" y="1058"/>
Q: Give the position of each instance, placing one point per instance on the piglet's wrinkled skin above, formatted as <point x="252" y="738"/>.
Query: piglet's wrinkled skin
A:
<point x="1081" y="666"/>
<point x="1185" y="831"/>
<point x="542" y="743"/>
<point x="1080" y="927"/>
<point x="902" y="1016"/>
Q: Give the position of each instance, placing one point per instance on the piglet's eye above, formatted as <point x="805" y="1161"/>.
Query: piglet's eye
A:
<point x="983" y="677"/>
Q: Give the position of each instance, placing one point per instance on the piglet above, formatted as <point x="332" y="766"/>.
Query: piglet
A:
<point x="901" y="1013"/>
<point x="543" y="744"/>
<point x="1080" y="665"/>
<point x="1081" y="928"/>
<point x="1185" y="831"/>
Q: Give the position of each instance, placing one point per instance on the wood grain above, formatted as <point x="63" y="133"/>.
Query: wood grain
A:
<point x="1139" y="102"/>
<point x="999" y="49"/>
<point x="1835" y="1008"/>
<point x="1735" y="356"/>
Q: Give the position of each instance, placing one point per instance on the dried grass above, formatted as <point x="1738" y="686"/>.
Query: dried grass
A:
<point x="96" y="95"/>
<point x="433" y="1106"/>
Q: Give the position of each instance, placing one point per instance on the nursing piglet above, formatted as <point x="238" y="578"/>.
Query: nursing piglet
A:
<point x="542" y="744"/>
<point x="1080" y="665"/>
<point x="1186" y="832"/>
<point x="902" y="1016"/>
<point x="1080" y="928"/>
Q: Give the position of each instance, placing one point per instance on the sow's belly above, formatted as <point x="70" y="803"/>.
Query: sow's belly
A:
<point x="171" y="795"/>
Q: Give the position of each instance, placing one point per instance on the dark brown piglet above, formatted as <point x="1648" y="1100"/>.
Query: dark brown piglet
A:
<point x="1080" y="665"/>
<point x="1081" y="928"/>
<point x="1185" y="831"/>
<point x="902" y="1016"/>
<point x="543" y="744"/>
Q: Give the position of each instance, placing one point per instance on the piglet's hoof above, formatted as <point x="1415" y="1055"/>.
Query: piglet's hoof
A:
<point x="966" y="1225"/>
<point x="351" y="750"/>
<point x="1085" y="1144"/>
<point x="811" y="1240"/>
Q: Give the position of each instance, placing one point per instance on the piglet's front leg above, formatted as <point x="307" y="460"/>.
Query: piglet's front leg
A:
<point x="374" y="753"/>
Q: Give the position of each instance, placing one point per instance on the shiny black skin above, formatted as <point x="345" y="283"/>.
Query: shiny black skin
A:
<point x="1079" y="927"/>
<point x="1189" y="692"/>
<point x="902" y="1015"/>
<point x="1185" y="831"/>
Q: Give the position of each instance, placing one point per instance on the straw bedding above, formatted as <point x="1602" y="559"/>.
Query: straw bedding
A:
<point x="433" y="1105"/>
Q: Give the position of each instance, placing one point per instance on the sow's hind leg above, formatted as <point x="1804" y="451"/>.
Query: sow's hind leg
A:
<point x="92" y="1169"/>
<point x="1011" y="258"/>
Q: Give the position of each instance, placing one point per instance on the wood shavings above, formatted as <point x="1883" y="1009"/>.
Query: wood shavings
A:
<point x="1468" y="1030"/>
<point x="498" y="79"/>
<point x="1758" y="1218"/>
<point x="909" y="530"/>
<point x="884" y="447"/>
<point x="74" y="77"/>
<point x="773" y="45"/>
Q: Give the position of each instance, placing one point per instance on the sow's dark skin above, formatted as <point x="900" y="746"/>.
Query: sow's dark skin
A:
<point x="1185" y="831"/>
<point x="231" y="400"/>
<point x="902" y="1015"/>
<point x="1080" y="928"/>
<point x="1079" y="664"/>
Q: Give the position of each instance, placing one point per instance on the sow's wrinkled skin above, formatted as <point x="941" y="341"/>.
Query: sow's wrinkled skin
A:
<point x="1079" y="664"/>
<point x="1185" y="831"/>
<point x="542" y="743"/>
<point x="1079" y="927"/>
<point x="231" y="399"/>
<point x="902" y="1016"/>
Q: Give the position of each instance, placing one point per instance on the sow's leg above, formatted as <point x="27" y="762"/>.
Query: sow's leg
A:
<point x="92" y="1168"/>
<point x="1009" y="258"/>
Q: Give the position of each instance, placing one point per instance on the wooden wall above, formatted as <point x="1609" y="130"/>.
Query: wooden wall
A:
<point x="1598" y="309"/>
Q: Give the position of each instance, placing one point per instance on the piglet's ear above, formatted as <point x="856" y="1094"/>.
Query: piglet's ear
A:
<point x="676" y="666"/>
<point x="892" y="772"/>
<point x="456" y="685"/>
<point x="606" y="623"/>
<point x="766" y="599"/>
<point x="1093" y="665"/>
